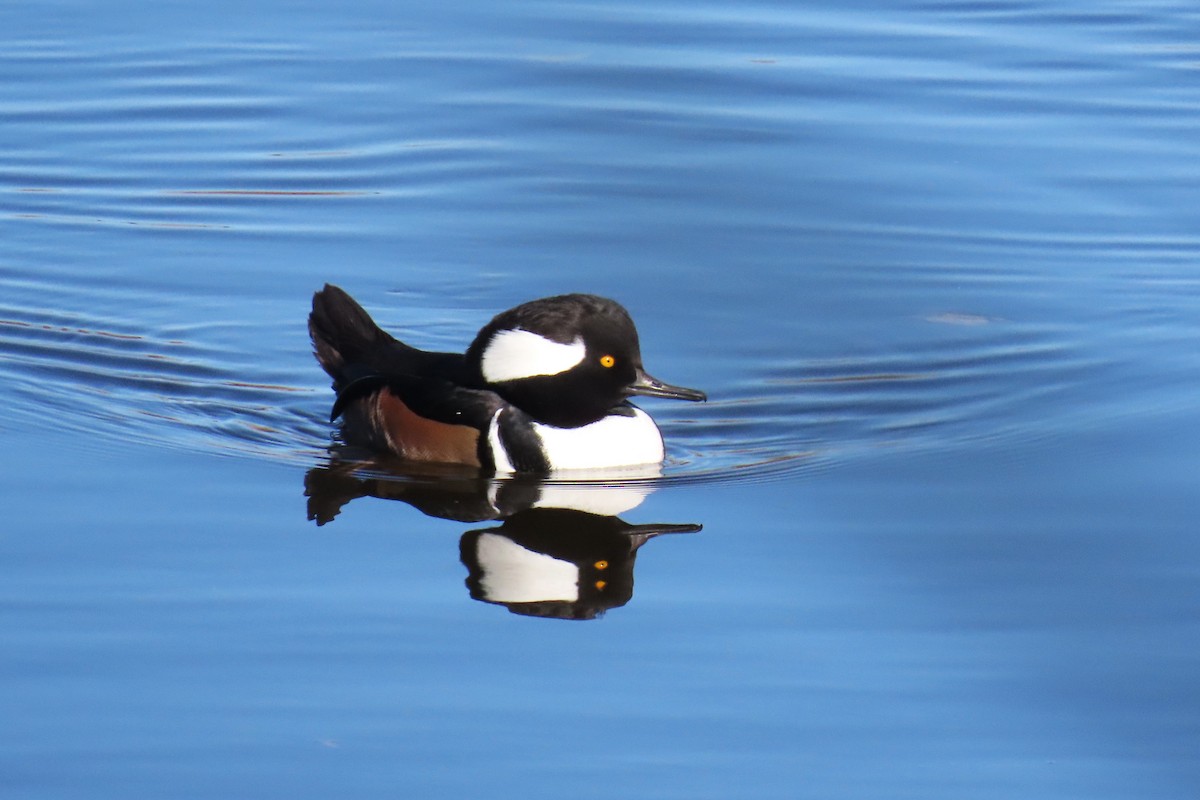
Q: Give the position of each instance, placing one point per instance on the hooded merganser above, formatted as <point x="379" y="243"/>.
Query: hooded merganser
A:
<point x="544" y="387"/>
<point x="562" y="563"/>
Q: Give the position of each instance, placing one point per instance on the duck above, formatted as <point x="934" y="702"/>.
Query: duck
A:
<point x="543" y="388"/>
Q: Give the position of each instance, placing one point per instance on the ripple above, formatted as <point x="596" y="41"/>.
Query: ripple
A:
<point x="107" y="379"/>
<point x="958" y="380"/>
<point x="984" y="380"/>
<point x="883" y="164"/>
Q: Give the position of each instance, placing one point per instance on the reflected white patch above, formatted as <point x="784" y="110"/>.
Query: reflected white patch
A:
<point x="513" y="574"/>
<point x="615" y="441"/>
<point x="607" y="501"/>
<point x="515" y="354"/>
<point x="603" y="498"/>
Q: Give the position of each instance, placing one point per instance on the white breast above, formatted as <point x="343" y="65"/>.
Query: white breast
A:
<point x="615" y="441"/>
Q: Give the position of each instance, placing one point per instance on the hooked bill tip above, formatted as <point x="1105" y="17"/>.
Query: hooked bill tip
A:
<point x="648" y="386"/>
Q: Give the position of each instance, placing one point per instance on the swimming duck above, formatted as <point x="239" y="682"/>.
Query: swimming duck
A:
<point x="544" y="387"/>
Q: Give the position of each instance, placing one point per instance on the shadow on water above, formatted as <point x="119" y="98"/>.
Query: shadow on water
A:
<point x="560" y="551"/>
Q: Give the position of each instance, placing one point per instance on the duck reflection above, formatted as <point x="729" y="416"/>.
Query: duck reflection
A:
<point x="559" y="551"/>
<point x="557" y="562"/>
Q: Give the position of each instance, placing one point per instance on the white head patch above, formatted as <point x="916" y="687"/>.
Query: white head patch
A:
<point x="517" y="353"/>
<point x="513" y="574"/>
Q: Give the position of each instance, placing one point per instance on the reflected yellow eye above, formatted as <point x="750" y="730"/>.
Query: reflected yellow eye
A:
<point x="600" y="585"/>
<point x="607" y="361"/>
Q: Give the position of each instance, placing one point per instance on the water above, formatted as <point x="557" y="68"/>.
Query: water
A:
<point x="936" y="265"/>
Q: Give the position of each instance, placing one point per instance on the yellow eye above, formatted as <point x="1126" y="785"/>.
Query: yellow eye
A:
<point x="607" y="361"/>
<point x="601" y="564"/>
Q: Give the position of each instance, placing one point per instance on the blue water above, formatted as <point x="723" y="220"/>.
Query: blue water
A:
<point x="937" y="266"/>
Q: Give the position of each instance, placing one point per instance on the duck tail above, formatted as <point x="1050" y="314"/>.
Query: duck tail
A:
<point x="345" y="338"/>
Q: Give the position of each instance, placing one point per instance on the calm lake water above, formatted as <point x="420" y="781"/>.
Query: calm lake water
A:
<point x="937" y="266"/>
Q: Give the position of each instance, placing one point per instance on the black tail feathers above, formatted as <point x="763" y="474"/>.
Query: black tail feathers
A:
<point x="345" y="338"/>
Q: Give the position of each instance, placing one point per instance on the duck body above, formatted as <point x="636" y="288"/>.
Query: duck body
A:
<point x="544" y="387"/>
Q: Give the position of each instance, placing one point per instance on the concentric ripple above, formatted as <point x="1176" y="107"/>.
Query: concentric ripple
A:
<point x="203" y="387"/>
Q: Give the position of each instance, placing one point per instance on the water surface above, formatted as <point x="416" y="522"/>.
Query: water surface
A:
<point x="936" y="265"/>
